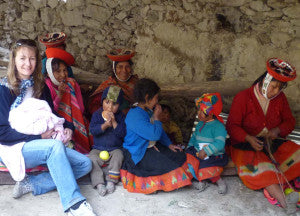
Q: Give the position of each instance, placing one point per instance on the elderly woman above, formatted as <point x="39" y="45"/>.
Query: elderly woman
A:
<point x="122" y="76"/>
<point x="24" y="80"/>
<point x="259" y="120"/>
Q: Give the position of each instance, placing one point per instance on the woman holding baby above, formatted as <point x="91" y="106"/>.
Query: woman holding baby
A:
<point x="24" y="80"/>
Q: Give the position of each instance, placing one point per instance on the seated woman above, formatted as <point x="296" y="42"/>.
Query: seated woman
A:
<point x="66" y="96"/>
<point x="24" y="80"/>
<point x="122" y="76"/>
<point x="151" y="161"/>
<point x="207" y="143"/>
<point x="259" y="120"/>
<point x="55" y="40"/>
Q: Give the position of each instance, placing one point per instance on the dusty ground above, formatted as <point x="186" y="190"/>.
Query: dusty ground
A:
<point x="184" y="202"/>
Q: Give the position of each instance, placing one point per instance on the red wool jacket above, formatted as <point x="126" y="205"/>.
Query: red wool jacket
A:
<point x="246" y="116"/>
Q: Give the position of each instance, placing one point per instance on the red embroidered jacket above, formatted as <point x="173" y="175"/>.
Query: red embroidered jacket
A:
<point x="246" y="116"/>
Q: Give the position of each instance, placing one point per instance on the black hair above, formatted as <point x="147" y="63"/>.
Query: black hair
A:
<point x="129" y="61"/>
<point x="167" y="107"/>
<point x="145" y="87"/>
<point x="55" y="64"/>
<point x="259" y="80"/>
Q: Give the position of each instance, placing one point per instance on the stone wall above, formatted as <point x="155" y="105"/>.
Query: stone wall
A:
<point x="178" y="42"/>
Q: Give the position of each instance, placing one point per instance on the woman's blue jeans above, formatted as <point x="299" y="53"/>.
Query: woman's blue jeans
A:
<point x="65" y="166"/>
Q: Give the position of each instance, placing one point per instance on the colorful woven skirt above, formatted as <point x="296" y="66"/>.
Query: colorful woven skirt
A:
<point x="256" y="169"/>
<point x="158" y="170"/>
<point x="205" y="169"/>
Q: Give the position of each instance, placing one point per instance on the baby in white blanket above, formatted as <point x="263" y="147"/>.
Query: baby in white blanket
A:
<point x="34" y="117"/>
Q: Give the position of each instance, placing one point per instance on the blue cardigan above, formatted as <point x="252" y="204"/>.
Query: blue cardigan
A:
<point x="111" y="138"/>
<point x="140" y="131"/>
<point x="214" y="133"/>
<point x="9" y="136"/>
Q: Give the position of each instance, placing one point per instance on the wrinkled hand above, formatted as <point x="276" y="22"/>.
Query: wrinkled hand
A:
<point x="273" y="133"/>
<point x="48" y="134"/>
<point x="174" y="148"/>
<point x="254" y="142"/>
<point x="68" y="133"/>
<point x="201" y="154"/>
<point x="157" y="112"/>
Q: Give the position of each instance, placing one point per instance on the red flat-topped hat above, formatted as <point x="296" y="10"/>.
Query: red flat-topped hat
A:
<point x="53" y="39"/>
<point x="281" y="70"/>
<point x="120" y="55"/>
<point x="60" y="54"/>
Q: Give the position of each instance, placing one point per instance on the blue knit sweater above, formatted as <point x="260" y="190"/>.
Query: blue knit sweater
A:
<point x="140" y="131"/>
<point x="213" y="132"/>
<point x="109" y="139"/>
<point x="9" y="136"/>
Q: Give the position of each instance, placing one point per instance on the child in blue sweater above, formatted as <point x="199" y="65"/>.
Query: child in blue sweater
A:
<point x="207" y="143"/>
<point x="151" y="161"/>
<point x="108" y="129"/>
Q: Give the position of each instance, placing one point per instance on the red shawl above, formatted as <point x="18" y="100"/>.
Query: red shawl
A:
<point x="127" y="87"/>
<point x="70" y="110"/>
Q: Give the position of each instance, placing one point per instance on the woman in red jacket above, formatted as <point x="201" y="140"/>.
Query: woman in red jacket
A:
<point x="259" y="118"/>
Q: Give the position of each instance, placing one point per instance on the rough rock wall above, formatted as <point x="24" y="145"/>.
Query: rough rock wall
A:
<point x="177" y="41"/>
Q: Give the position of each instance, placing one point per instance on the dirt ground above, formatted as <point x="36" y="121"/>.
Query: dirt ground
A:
<point x="183" y="202"/>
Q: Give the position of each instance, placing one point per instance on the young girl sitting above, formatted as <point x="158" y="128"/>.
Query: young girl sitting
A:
<point x="151" y="161"/>
<point x="108" y="128"/>
<point x="207" y="143"/>
<point x="66" y="96"/>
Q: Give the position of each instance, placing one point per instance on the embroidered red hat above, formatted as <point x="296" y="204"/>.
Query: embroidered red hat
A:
<point x="60" y="54"/>
<point x="281" y="70"/>
<point x="120" y="55"/>
<point x="53" y="39"/>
